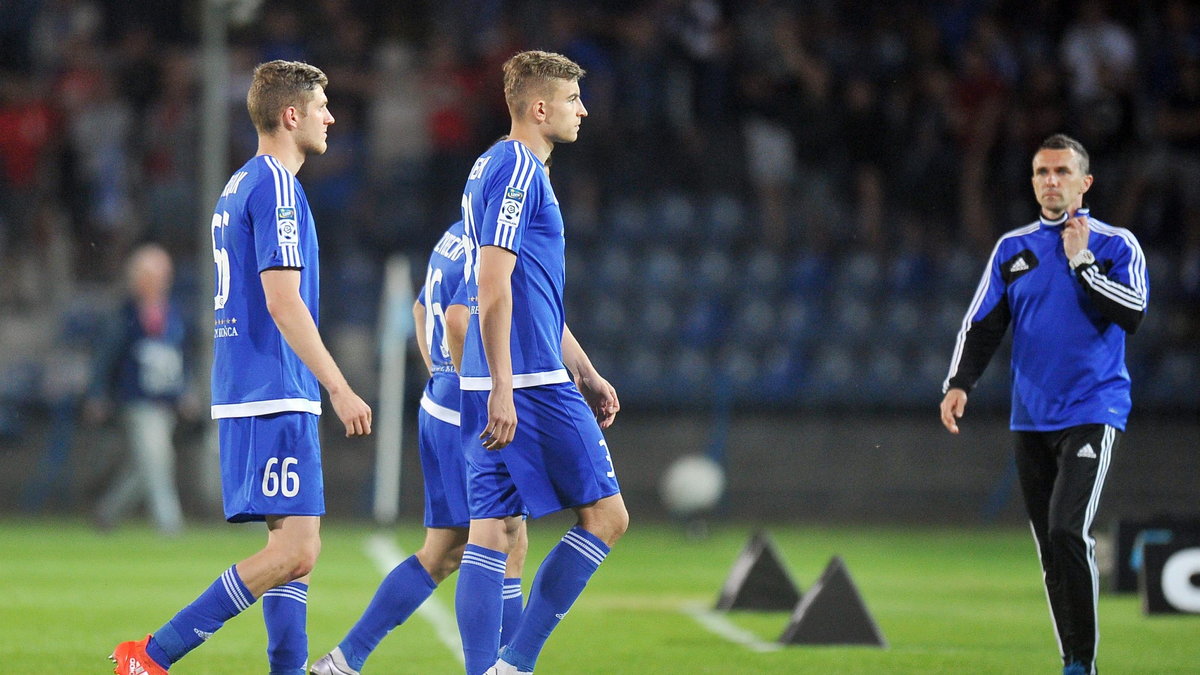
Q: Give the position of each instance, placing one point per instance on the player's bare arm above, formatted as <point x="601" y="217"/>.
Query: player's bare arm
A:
<point x="282" y="290"/>
<point x="600" y="395"/>
<point x="457" y="318"/>
<point x="496" y="266"/>
<point x="419" y="328"/>
<point x="954" y="404"/>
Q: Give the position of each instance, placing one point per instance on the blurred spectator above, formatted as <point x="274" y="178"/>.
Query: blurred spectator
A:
<point x="27" y="145"/>
<point x="139" y="374"/>
<point x="168" y="165"/>
<point x="817" y="129"/>
<point x="1100" y="57"/>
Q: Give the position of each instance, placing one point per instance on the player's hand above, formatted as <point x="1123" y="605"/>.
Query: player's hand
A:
<point x="953" y="405"/>
<point x="601" y="397"/>
<point x="502" y="420"/>
<point x="1075" y="234"/>
<point x="353" y="412"/>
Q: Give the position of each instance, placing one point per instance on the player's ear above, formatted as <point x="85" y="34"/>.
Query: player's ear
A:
<point x="538" y="110"/>
<point x="290" y="115"/>
<point x="1087" y="182"/>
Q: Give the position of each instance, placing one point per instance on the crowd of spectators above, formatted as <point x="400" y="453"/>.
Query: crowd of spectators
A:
<point x="839" y="126"/>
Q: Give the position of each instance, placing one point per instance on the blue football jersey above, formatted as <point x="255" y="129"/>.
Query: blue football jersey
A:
<point x="261" y="221"/>
<point x="1068" y="360"/>
<point x="445" y="285"/>
<point x="508" y="202"/>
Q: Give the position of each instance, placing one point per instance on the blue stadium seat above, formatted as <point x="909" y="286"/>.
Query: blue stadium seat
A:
<point x="658" y="322"/>
<point x="902" y="318"/>
<point x="740" y="369"/>
<point x="859" y="272"/>
<point x="688" y="378"/>
<point x="703" y="324"/>
<point x="799" y="321"/>
<point x="754" y="322"/>
<point x="853" y="319"/>
<point x="834" y="373"/>
<point x="615" y="270"/>
<point x="628" y="221"/>
<point x="809" y="274"/>
<point x="606" y="318"/>
<point x="713" y="272"/>
<point x="663" y="269"/>
<point x="672" y="217"/>
<point x="763" y="270"/>
<point x="723" y="218"/>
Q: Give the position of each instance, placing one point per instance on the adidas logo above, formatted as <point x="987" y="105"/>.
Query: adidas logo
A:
<point x="1019" y="266"/>
<point x="135" y="668"/>
<point x="561" y="616"/>
<point x="204" y="636"/>
<point x="1086" y="451"/>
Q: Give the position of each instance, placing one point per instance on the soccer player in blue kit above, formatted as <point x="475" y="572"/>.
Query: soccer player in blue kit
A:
<point x="532" y="438"/>
<point x="440" y="315"/>
<point x="268" y="363"/>
<point x="1072" y="287"/>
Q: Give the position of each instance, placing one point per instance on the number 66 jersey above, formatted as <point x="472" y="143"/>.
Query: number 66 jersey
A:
<point x="261" y="221"/>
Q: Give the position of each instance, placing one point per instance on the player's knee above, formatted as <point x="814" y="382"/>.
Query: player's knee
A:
<point x="441" y="564"/>
<point x="1062" y="534"/>
<point x="619" y="524"/>
<point x="608" y="523"/>
<point x="303" y="558"/>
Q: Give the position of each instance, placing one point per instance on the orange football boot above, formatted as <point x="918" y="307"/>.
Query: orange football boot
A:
<point x="131" y="659"/>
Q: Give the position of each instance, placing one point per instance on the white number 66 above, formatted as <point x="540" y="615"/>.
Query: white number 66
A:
<point x="289" y="481"/>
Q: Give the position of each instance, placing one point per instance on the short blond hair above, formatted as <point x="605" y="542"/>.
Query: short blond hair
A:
<point x="278" y="85"/>
<point x="531" y="73"/>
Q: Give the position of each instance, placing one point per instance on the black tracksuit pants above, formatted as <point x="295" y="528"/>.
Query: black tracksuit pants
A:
<point x="1062" y="474"/>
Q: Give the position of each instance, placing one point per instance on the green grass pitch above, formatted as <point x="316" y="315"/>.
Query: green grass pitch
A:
<point x="946" y="600"/>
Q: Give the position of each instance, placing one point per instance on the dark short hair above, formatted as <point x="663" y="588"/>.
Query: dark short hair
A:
<point x="1065" y="142"/>
<point x="276" y="86"/>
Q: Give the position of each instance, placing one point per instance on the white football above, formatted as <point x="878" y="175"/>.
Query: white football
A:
<point x="692" y="484"/>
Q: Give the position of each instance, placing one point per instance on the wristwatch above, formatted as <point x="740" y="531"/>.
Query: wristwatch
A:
<point x="1082" y="258"/>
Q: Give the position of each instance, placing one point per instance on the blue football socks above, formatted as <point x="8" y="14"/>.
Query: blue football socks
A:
<point x="224" y="599"/>
<point x="399" y="595"/>
<point x="514" y="605"/>
<point x="559" y="581"/>
<point x="479" y="604"/>
<point x="285" y="611"/>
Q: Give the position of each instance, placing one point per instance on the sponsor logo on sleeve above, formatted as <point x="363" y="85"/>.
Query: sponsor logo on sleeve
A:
<point x="510" y="211"/>
<point x="285" y="224"/>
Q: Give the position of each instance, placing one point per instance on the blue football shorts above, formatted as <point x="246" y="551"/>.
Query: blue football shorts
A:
<point x="271" y="466"/>
<point x="557" y="460"/>
<point x="443" y="466"/>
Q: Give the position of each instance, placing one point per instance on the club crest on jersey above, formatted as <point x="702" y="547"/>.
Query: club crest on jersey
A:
<point x="515" y="194"/>
<point x="285" y="224"/>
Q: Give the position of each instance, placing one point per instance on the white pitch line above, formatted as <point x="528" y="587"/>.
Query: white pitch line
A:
<point x="383" y="550"/>
<point x="718" y="624"/>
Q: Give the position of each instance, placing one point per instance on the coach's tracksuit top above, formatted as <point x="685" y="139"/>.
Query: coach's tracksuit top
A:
<point x="1069" y="326"/>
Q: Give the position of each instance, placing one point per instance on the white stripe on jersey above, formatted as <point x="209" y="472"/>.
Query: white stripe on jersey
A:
<point x="255" y="408"/>
<point x="522" y="175"/>
<point x="520" y="380"/>
<point x="290" y="255"/>
<point x="980" y="293"/>
<point x="285" y="197"/>
<point x="1137" y="260"/>
<point x="441" y="412"/>
<point x="285" y="182"/>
